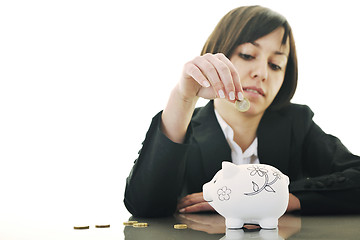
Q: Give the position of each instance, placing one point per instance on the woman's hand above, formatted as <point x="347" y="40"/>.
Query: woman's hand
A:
<point x="210" y="76"/>
<point x="294" y="203"/>
<point x="194" y="203"/>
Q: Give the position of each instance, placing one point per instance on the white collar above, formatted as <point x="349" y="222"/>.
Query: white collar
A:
<point x="238" y="156"/>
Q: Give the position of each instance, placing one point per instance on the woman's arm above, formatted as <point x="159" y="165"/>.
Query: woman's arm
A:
<point x="331" y="182"/>
<point x="177" y="115"/>
<point x="208" y="76"/>
<point x="155" y="182"/>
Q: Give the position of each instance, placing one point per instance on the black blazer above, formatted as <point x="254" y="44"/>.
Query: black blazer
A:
<point x="323" y="174"/>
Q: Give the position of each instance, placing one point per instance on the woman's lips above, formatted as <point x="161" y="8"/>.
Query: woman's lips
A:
<point x="254" y="90"/>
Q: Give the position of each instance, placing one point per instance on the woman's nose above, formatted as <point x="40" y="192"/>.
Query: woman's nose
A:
<point x="260" y="70"/>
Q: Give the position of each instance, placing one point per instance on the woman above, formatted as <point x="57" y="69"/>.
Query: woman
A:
<point x="251" y="53"/>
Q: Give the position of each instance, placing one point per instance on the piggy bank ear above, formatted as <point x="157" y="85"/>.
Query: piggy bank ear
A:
<point x="229" y="169"/>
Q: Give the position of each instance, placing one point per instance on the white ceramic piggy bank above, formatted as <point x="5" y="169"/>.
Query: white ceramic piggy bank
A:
<point x="248" y="193"/>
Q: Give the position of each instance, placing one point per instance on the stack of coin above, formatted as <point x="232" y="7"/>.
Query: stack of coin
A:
<point x="140" y="225"/>
<point x="103" y="226"/>
<point x="81" y="227"/>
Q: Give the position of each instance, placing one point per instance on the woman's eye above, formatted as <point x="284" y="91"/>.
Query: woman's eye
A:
<point x="274" y="67"/>
<point x="215" y="181"/>
<point x="246" y="56"/>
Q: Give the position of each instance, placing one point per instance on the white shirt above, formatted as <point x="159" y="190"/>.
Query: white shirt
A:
<point x="237" y="155"/>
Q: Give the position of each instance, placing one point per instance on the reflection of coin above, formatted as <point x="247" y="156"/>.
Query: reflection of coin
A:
<point x="130" y="223"/>
<point x="140" y="225"/>
<point x="180" y="226"/>
<point x="243" y="105"/>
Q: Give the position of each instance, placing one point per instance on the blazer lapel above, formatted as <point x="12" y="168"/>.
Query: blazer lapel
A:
<point x="274" y="133"/>
<point x="211" y="140"/>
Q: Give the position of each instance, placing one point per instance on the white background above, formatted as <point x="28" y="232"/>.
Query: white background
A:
<point x="81" y="80"/>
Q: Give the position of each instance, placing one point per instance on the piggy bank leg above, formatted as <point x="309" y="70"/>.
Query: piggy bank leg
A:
<point x="234" y="223"/>
<point x="268" y="223"/>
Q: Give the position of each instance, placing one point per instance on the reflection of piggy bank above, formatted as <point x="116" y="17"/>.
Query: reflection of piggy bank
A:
<point x="262" y="234"/>
<point x="248" y="193"/>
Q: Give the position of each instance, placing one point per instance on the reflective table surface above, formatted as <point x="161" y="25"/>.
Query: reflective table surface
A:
<point x="200" y="226"/>
<point x="212" y="226"/>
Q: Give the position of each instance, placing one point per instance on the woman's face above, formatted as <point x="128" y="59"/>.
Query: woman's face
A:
<point x="261" y="66"/>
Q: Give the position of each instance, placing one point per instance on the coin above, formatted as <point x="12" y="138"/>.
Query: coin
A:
<point x="180" y="226"/>
<point x="243" y="105"/>
<point x="81" y="227"/>
<point x="102" y="226"/>
<point x="130" y="223"/>
<point x="140" y="225"/>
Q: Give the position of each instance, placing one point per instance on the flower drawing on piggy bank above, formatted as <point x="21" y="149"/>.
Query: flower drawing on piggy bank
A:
<point x="263" y="173"/>
<point x="224" y="193"/>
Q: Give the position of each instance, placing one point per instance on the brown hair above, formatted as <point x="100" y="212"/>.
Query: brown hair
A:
<point x="247" y="24"/>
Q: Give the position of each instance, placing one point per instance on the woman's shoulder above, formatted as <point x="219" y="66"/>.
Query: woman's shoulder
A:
<point x="298" y="108"/>
<point x="294" y="110"/>
<point x="298" y="114"/>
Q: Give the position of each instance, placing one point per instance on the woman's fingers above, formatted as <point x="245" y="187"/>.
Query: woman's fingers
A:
<point x="239" y="93"/>
<point x="196" y="74"/>
<point x="223" y="83"/>
<point x="217" y="71"/>
<point x="211" y="73"/>
<point x="193" y="203"/>
<point x="200" y="207"/>
<point x="190" y="199"/>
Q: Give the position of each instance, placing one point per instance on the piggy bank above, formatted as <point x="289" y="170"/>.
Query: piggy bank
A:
<point x="248" y="194"/>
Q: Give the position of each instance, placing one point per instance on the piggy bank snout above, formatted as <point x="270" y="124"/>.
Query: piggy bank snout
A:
<point x="206" y="192"/>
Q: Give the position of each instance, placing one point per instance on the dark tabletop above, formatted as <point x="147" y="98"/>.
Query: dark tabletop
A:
<point x="212" y="226"/>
